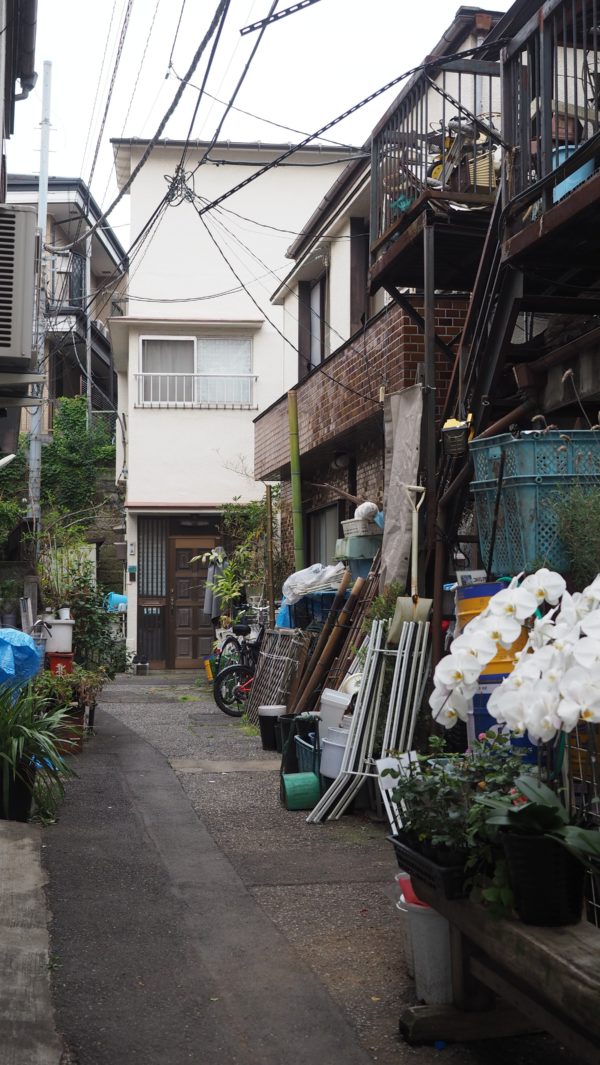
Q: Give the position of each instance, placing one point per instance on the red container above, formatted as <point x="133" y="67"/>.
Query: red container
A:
<point x="60" y="663"/>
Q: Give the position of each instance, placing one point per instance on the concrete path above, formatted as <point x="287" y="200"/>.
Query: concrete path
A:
<point x="27" y="1032"/>
<point x="195" y="920"/>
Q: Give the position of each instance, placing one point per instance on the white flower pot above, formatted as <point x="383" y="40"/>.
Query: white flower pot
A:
<point x="64" y="613"/>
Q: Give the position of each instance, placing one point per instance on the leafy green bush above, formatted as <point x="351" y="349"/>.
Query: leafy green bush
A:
<point x="71" y="461"/>
<point x="578" y="512"/>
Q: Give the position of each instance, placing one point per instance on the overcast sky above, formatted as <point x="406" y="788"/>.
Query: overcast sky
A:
<point x="309" y="68"/>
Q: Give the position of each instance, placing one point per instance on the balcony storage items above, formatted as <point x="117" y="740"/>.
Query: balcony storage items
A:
<point x="537" y="468"/>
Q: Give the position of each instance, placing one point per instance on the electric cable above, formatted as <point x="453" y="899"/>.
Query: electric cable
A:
<point x="183" y="2"/>
<point x="211" y="58"/>
<point x="98" y="83"/>
<point x="238" y="86"/>
<point x="293" y="346"/>
<point x="169" y="112"/>
<point x="111" y="86"/>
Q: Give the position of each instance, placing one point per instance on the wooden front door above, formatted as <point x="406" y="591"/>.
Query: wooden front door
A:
<point x="189" y="631"/>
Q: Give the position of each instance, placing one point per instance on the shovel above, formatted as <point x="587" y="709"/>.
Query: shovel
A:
<point x="413" y="608"/>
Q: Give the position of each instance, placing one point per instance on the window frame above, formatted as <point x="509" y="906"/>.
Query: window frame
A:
<point x="197" y="375"/>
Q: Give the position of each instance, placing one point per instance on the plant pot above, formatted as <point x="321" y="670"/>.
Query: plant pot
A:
<point x="70" y="737"/>
<point x="20" y="793"/>
<point x="448" y="880"/>
<point x="546" y="880"/>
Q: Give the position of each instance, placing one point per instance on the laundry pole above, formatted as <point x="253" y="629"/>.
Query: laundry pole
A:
<point x="296" y="481"/>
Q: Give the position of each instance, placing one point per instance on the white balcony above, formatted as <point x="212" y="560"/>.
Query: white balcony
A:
<point x="210" y="391"/>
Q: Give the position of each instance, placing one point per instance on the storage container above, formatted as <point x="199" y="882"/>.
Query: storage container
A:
<point x="332" y="706"/>
<point x="358" y="546"/>
<point x="430" y="937"/>
<point x="553" y="454"/>
<point x="308" y="755"/>
<point x="360" y="527"/>
<point x="471" y="601"/>
<point x="332" y="754"/>
<point x="60" y="637"/>
<point x="268" y="718"/>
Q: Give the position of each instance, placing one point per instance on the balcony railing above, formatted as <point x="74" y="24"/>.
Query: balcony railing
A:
<point x="442" y="137"/>
<point x="551" y="75"/>
<point x="195" y="390"/>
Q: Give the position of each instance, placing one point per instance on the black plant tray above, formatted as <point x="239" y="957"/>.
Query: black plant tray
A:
<point x="448" y="880"/>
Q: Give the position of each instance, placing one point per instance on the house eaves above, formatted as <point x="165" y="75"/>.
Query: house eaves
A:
<point x="253" y="153"/>
<point x="72" y="198"/>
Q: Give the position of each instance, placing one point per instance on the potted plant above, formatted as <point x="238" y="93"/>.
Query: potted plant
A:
<point x="435" y="794"/>
<point x="29" y="733"/>
<point x="546" y="855"/>
<point x="59" y="693"/>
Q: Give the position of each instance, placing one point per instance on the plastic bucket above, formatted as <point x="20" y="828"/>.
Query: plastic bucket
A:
<point x="332" y="755"/>
<point x="301" y="791"/>
<point x="430" y="937"/>
<point x="60" y="637"/>
<point x="332" y="706"/>
<point x="268" y="717"/>
<point x="470" y="602"/>
<point x="60" y="664"/>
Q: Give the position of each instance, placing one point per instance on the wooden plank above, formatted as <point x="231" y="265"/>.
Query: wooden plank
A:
<point x="562" y="963"/>
<point x="430" y="1024"/>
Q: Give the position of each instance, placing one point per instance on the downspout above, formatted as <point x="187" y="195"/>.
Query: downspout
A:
<point x="296" y="481"/>
<point x="440" y="543"/>
<point x="27" y="28"/>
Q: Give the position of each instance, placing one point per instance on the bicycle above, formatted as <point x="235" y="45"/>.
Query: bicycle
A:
<point x="233" y="682"/>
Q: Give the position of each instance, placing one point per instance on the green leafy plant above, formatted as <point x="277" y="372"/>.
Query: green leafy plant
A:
<point x="382" y="606"/>
<point x="29" y="733"/>
<point x="533" y="809"/>
<point x="578" y="512"/>
<point x="94" y="644"/>
<point x="437" y="793"/>
<point x="73" y="458"/>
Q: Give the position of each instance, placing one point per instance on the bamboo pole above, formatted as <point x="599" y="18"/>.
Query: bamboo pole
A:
<point x="325" y="632"/>
<point x="329" y="651"/>
<point x="296" y="481"/>
<point x="270" y="595"/>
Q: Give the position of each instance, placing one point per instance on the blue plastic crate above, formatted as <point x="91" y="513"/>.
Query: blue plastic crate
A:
<point x="527" y="529"/>
<point x="575" y="453"/>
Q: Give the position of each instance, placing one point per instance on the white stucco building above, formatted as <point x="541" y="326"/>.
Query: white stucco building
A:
<point x="197" y="359"/>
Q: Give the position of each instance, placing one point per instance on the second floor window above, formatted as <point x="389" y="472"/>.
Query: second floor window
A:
<point x="196" y="371"/>
<point x="77" y="281"/>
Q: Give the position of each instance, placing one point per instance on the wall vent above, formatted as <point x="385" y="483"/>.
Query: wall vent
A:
<point x="18" y="227"/>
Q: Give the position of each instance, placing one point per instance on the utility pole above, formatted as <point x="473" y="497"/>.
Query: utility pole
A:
<point x="35" y="441"/>
<point x="88" y="329"/>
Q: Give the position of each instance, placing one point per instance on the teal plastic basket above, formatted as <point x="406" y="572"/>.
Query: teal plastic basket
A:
<point x="574" y="454"/>
<point x="309" y="757"/>
<point x="527" y="529"/>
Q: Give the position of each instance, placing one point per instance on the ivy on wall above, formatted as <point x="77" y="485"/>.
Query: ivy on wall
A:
<point x="70" y="463"/>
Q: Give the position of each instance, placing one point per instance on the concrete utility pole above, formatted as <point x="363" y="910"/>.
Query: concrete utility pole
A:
<point x="35" y="442"/>
<point x="88" y="329"/>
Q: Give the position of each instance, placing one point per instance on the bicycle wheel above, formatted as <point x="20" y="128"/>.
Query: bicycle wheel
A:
<point x="232" y="689"/>
<point x="230" y="654"/>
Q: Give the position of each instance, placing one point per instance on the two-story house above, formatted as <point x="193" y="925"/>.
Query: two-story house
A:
<point x="380" y="285"/>
<point x="76" y="296"/>
<point x="200" y="352"/>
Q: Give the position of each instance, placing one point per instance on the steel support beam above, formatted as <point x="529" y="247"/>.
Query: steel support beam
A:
<point x="415" y="317"/>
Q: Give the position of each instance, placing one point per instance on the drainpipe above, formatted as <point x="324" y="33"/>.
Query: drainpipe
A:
<point x="440" y="544"/>
<point x="296" y="481"/>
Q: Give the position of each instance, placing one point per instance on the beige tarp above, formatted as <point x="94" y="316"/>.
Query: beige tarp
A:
<point x="402" y="422"/>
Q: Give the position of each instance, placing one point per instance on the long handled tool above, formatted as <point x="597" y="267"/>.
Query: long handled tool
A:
<point x="414" y="608"/>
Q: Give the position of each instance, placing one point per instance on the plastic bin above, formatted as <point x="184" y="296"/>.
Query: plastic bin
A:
<point x="558" y="454"/>
<point x="332" y="706"/>
<point x="60" y="638"/>
<point x="268" y="718"/>
<point x="309" y="756"/>
<point x="560" y="155"/>
<point x="430" y="938"/>
<point x="471" y="601"/>
<point x="332" y="754"/>
<point x="60" y="664"/>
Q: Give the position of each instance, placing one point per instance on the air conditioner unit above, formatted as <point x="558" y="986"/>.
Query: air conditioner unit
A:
<point x="18" y="230"/>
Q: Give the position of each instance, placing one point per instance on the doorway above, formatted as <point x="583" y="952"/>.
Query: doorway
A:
<point x="189" y="632"/>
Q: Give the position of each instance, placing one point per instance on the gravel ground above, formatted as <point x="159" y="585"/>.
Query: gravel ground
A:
<point x="329" y="888"/>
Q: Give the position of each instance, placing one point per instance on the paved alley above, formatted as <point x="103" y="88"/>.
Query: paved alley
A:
<point x="193" y="919"/>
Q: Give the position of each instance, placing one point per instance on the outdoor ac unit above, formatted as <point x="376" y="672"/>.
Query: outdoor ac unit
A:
<point x="18" y="228"/>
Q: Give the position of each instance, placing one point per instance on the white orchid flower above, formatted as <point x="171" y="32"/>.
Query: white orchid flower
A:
<point x="592" y="592"/>
<point x="545" y="586"/>
<point x="456" y="669"/>
<point x="509" y="708"/>
<point x="586" y="652"/>
<point x="568" y="712"/>
<point x="448" y="705"/>
<point x="515" y="603"/>
<point x="591" y="624"/>
<point x="582" y="686"/>
<point x="502" y="628"/>
<point x="544" y="728"/>
<point x="474" y="641"/>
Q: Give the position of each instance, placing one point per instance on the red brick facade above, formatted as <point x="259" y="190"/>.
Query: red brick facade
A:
<point x="387" y="356"/>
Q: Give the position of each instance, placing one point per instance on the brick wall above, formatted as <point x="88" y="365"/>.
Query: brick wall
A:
<point x="345" y="394"/>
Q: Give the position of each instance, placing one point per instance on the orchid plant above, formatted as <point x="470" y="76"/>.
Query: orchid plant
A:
<point x="556" y="679"/>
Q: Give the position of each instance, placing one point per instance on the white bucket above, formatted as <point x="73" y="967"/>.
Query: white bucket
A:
<point x="430" y="935"/>
<point x="64" y="613"/>
<point x="332" y="755"/>
<point x="405" y="936"/>
<point x="271" y="711"/>
<point x="60" y="637"/>
<point x="332" y="706"/>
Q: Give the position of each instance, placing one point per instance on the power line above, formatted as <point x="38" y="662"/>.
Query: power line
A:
<point x="211" y="58"/>
<point x="320" y="369"/>
<point x="176" y="36"/>
<point x="98" y="83"/>
<point x="111" y="86"/>
<point x="271" y="18"/>
<point x="238" y="86"/>
<point x="152" y="143"/>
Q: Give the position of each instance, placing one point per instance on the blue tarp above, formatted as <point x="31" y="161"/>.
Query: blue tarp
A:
<point x="20" y="657"/>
